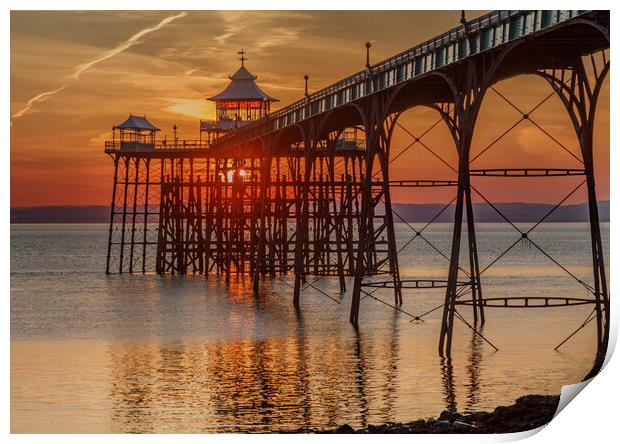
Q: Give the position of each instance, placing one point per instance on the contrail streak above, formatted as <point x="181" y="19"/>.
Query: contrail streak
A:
<point x="35" y="99"/>
<point x="133" y="40"/>
<point x="81" y="69"/>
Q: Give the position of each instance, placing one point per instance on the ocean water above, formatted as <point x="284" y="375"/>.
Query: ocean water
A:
<point x="121" y="353"/>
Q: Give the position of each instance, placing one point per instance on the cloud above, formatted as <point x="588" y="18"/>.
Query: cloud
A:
<point x="83" y="68"/>
<point x="278" y="37"/>
<point x="261" y="26"/>
<point x="232" y="27"/>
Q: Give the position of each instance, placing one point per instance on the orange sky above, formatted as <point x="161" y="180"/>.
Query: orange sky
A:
<point x="101" y="74"/>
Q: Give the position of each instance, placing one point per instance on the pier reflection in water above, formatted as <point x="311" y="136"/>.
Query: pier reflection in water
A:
<point x="285" y="382"/>
<point x="185" y="354"/>
<point x="275" y="368"/>
<point x="473" y="377"/>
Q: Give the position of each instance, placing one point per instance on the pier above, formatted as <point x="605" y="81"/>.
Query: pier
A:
<point x="306" y="190"/>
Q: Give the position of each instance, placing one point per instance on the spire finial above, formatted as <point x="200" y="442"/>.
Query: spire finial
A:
<point x="306" y="77"/>
<point x="242" y="54"/>
<point x="368" y="45"/>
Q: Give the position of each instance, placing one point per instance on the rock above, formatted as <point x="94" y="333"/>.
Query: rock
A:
<point x="527" y="413"/>
<point x="448" y="416"/>
<point x="346" y="428"/>
<point x="464" y="424"/>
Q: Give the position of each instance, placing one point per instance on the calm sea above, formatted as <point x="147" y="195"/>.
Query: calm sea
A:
<point x="97" y="353"/>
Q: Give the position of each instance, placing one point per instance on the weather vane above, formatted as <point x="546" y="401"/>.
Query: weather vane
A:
<point x="242" y="54"/>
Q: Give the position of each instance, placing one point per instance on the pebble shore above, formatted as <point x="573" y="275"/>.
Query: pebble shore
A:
<point x="527" y="413"/>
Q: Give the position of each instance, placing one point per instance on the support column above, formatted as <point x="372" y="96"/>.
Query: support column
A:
<point x="122" y="252"/>
<point x="146" y="212"/>
<point x="301" y="236"/>
<point x="474" y="265"/>
<point x="112" y="212"/>
<point x="363" y="240"/>
<point x="447" y="325"/>
<point x="335" y="216"/>
<point x="379" y="130"/>
<point x="161" y="251"/>
<point x="133" y="214"/>
<point x="389" y="216"/>
<point x="259" y="266"/>
<point x="461" y="118"/>
<point x="579" y="93"/>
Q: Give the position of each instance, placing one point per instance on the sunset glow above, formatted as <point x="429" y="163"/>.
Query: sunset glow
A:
<point x="75" y="74"/>
<point x="308" y="222"/>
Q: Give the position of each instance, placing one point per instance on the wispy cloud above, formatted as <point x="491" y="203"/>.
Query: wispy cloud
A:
<point x="277" y="38"/>
<point x="262" y="26"/>
<point x="83" y="68"/>
<point x="235" y="22"/>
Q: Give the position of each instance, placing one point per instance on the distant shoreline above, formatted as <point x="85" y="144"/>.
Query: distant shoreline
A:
<point x="414" y="213"/>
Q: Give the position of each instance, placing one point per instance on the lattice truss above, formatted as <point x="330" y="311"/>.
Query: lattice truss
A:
<point x="134" y="215"/>
<point x="418" y="238"/>
<point x="328" y="203"/>
<point x="327" y="199"/>
<point x="578" y="88"/>
<point x="187" y="215"/>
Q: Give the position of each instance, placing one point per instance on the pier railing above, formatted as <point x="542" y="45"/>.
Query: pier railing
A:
<point x="481" y="34"/>
<point x="129" y="146"/>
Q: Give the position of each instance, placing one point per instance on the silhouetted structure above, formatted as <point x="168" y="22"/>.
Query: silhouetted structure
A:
<point x="240" y="103"/>
<point x="306" y="189"/>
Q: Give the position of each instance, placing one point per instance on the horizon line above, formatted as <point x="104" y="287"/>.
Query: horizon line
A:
<point x="394" y="203"/>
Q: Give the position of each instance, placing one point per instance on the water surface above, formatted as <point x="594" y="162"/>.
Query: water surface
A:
<point x="97" y="353"/>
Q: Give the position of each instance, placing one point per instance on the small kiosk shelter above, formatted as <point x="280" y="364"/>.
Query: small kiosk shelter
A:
<point x="135" y="133"/>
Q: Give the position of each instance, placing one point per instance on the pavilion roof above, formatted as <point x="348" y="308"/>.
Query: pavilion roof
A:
<point x="137" y="123"/>
<point x="243" y="86"/>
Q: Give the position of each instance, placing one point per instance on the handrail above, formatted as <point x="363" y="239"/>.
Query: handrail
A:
<point x="429" y="47"/>
<point x="116" y="145"/>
